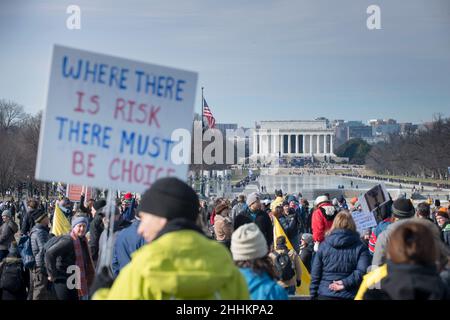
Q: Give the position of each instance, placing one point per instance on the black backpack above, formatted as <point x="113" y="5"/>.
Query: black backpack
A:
<point x="283" y="264"/>
<point x="12" y="277"/>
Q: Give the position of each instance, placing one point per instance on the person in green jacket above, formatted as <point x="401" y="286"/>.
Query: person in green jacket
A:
<point x="178" y="261"/>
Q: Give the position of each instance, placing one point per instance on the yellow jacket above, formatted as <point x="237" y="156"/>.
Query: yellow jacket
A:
<point x="275" y="203"/>
<point x="178" y="265"/>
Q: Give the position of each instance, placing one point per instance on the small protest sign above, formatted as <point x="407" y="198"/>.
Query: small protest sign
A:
<point x="374" y="198"/>
<point x="364" y="220"/>
<point x="74" y="192"/>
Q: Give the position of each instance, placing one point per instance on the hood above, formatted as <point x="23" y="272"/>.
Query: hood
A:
<point x="254" y="280"/>
<point x="413" y="282"/>
<point x="342" y="238"/>
<point x="186" y="264"/>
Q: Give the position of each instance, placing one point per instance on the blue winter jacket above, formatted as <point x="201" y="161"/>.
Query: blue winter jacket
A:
<point x="127" y="242"/>
<point x="262" y="287"/>
<point x="341" y="256"/>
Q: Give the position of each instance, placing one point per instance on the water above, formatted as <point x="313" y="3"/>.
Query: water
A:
<point x="295" y="183"/>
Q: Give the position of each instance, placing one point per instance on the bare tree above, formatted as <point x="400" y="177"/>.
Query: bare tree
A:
<point x="11" y="115"/>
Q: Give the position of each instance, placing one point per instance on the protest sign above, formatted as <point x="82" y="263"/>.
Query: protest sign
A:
<point x="74" y="192"/>
<point x="109" y="121"/>
<point x="363" y="220"/>
<point x="374" y="198"/>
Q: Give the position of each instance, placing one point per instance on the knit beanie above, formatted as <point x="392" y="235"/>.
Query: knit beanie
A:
<point x="38" y="215"/>
<point x="403" y="208"/>
<point x="307" y="237"/>
<point x="248" y="243"/>
<point x="78" y="220"/>
<point x="443" y="212"/>
<point x="6" y="213"/>
<point x="170" y="198"/>
<point x="128" y="196"/>
<point x="252" y="198"/>
<point x="99" y="204"/>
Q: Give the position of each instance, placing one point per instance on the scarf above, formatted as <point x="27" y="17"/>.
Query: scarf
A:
<point x="86" y="275"/>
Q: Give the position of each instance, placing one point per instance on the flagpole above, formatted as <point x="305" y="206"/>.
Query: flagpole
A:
<point x="202" y="191"/>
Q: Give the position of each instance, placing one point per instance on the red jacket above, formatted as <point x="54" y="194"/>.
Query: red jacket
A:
<point x="320" y="224"/>
<point x="212" y="217"/>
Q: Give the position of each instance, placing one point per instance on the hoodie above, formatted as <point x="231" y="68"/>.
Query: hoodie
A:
<point x="262" y="287"/>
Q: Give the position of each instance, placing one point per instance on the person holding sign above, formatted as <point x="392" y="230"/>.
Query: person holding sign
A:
<point x="179" y="261"/>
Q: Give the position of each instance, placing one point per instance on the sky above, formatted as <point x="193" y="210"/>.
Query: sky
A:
<point x="257" y="60"/>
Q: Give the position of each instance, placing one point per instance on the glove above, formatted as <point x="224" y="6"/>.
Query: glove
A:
<point x="299" y="282"/>
<point x="103" y="279"/>
<point x="316" y="246"/>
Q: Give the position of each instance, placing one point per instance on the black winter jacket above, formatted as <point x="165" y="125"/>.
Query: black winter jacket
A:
<point x="61" y="256"/>
<point x="262" y="220"/>
<point x="95" y="231"/>
<point x="410" y="282"/>
<point x="27" y="221"/>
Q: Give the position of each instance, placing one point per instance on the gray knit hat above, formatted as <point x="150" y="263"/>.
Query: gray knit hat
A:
<point x="6" y="213"/>
<point x="252" y="198"/>
<point x="248" y="243"/>
<point x="307" y="237"/>
<point x="80" y="219"/>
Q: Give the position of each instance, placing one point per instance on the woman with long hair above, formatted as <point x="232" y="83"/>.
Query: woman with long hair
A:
<point x="250" y="253"/>
<point x="340" y="262"/>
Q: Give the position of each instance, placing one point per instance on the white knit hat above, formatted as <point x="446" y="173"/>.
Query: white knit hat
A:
<point x="248" y="243"/>
<point x="321" y="199"/>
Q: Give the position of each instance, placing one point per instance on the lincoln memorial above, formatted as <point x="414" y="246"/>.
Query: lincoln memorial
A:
<point x="293" y="138"/>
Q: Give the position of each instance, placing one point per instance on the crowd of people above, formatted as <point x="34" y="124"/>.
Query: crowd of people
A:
<point x="169" y="244"/>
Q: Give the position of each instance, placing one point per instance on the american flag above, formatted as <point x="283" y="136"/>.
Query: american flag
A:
<point x="208" y="115"/>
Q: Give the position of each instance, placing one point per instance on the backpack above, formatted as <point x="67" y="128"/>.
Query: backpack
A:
<point x="26" y="252"/>
<point x="329" y="212"/>
<point x="283" y="265"/>
<point x="12" y="277"/>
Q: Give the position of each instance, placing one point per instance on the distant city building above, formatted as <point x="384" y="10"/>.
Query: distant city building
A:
<point x="385" y="129"/>
<point x="408" y="127"/>
<point x="359" y="132"/>
<point x="223" y="127"/>
<point x="352" y="130"/>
